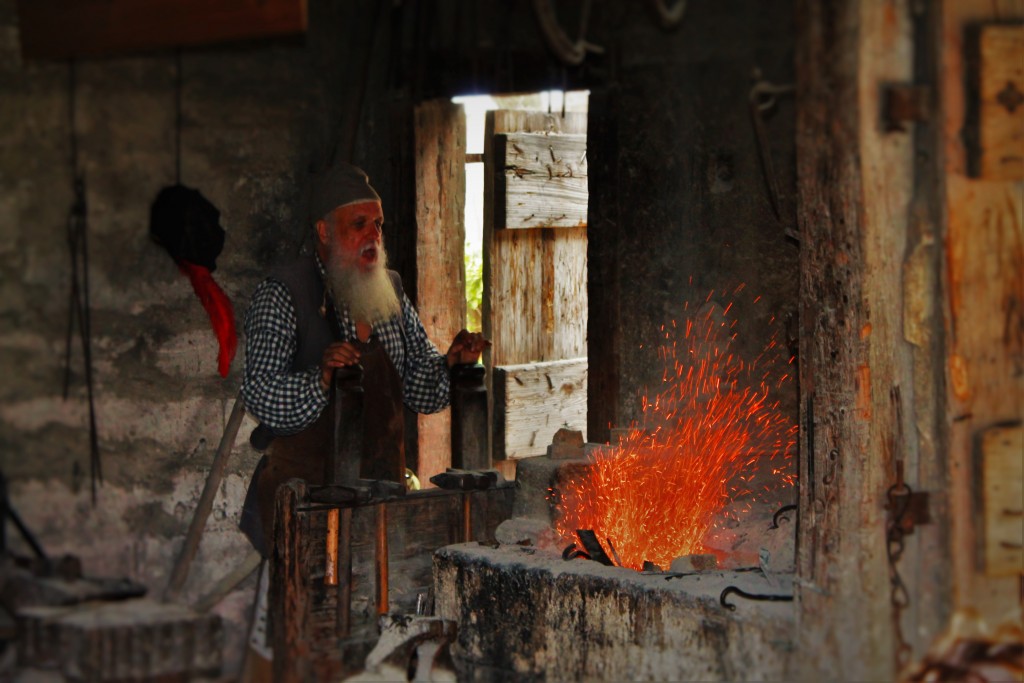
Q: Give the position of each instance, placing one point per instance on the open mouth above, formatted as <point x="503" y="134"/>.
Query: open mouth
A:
<point x="368" y="254"/>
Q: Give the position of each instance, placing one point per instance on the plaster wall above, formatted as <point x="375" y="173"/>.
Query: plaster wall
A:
<point x="249" y="119"/>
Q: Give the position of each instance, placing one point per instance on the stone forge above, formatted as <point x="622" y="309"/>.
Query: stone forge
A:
<point x="524" y="612"/>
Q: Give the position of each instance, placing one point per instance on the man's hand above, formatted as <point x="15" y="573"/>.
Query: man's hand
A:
<point x="466" y="348"/>
<point x="336" y="355"/>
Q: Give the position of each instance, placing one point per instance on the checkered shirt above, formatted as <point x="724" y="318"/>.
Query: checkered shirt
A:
<point x="287" y="402"/>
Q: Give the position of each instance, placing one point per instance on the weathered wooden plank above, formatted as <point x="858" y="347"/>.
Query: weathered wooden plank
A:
<point x="843" y="51"/>
<point x="515" y="260"/>
<point x="542" y="181"/>
<point x="1002" y="473"/>
<point x="570" y="298"/>
<point x="1001" y="110"/>
<point x="59" y="29"/>
<point x="984" y="262"/>
<point x="440" y="237"/>
<point x="532" y="401"/>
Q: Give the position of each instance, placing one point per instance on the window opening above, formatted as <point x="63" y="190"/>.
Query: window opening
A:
<point x="476" y="108"/>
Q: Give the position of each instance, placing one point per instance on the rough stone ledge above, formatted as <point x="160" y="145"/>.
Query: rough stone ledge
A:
<point x="523" y="614"/>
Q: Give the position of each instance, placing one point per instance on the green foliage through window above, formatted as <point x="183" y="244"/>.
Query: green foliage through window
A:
<point x="474" y="290"/>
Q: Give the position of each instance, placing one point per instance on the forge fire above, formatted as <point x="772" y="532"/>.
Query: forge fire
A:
<point x="709" y="431"/>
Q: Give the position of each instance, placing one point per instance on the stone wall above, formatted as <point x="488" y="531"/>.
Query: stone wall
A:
<point x="528" y="615"/>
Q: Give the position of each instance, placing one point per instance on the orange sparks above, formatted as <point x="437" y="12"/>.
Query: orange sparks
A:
<point x="711" y="426"/>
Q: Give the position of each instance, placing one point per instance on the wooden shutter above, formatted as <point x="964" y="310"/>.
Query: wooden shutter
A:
<point x="535" y="277"/>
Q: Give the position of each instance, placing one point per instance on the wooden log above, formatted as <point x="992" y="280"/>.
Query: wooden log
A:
<point x="541" y="181"/>
<point x="533" y="401"/>
<point x="59" y="29"/>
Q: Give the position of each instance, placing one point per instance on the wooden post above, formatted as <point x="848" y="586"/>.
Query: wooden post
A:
<point x="440" y="290"/>
<point x="469" y="418"/>
<point x="290" y="594"/>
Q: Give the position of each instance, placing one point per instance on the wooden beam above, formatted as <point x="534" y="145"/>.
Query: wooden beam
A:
<point x="542" y="181"/>
<point x="532" y="401"/>
<point x="1001" y="106"/>
<point x="61" y="29"/>
<point x="983" y="249"/>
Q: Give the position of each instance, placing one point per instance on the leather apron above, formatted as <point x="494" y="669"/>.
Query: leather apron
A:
<point x="305" y="455"/>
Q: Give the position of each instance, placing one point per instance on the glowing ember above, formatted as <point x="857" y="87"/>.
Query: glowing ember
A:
<point x="657" y="493"/>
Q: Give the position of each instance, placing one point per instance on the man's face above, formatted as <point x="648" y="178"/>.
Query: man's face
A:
<point x="354" y="231"/>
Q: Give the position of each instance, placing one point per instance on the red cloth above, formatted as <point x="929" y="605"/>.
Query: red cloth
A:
<point x="218" y="307"/>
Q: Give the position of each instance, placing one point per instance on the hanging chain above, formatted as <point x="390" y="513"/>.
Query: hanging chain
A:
<point x="898" y="497"/>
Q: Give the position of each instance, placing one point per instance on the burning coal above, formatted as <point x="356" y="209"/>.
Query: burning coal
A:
<point x="709" y="426"/>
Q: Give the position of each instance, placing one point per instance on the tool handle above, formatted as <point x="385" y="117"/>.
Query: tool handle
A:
<point x="331" y="564"/>
<point x="205" y="504"/>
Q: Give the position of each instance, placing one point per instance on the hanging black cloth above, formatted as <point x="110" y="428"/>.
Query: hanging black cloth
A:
<point x="187" y="225"/>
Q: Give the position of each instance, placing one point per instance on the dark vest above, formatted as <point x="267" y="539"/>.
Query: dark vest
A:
<point x="302" y="278"/>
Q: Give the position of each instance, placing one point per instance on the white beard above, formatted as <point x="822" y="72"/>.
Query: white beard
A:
<point x="370" y="297"/>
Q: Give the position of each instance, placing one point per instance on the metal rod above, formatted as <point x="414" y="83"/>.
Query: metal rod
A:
<point x="382" y="559"/>
<point x="331" y="553"/>
<point x="749" y="596"/>
<point x="467" y="517"/>
<point x="345" y="574"/>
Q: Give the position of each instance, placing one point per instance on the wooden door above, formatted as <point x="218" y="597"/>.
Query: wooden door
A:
<point x="535" y="277"/>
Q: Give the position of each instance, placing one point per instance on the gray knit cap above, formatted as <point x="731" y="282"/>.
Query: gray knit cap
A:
<point x="339" y="185"/>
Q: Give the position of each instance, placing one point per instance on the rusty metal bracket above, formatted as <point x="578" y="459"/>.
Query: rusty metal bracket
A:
<point x="904" y="103"/>
<point x="907" y="509"/>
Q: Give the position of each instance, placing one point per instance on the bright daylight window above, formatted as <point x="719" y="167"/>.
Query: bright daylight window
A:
<point x="476" y="108"/>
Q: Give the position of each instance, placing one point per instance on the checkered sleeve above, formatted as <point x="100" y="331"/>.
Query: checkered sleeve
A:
<point x="427" y="383"/>
<point x="285" y="401"/>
